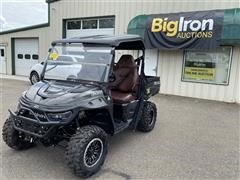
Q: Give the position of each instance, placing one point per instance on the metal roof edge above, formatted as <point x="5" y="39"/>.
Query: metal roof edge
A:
<point x="51" y="1"/>
<point x="25" y="28"/>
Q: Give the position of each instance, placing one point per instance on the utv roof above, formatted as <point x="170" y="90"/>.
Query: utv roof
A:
<point x="119" y="42"/>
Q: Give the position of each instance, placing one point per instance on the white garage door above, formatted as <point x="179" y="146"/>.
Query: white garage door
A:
<point x="89" y="27"/>
<point x="26" y="55"/>
<point x="2" y="60"/>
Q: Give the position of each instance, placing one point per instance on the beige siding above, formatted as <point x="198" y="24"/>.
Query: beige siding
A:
<point x="41" y="33"/>
<point x="237" y="82"/>
<point x="169" y="64"/>
<point x="170" y="71"/>
<point x="125" y="10"/>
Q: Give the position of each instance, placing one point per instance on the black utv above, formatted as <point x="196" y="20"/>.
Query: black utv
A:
<point x="83" y="97"/>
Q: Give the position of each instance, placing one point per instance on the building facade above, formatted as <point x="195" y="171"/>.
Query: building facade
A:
<point x="21" y="48"/>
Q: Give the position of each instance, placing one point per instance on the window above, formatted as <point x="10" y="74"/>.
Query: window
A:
<point x="99" y="23"/>
<point x="106" y="23"/>
<point x="27" y="56"/>
<point x="2" y="52"/>
<point x="74" y="25"/>
<point x="207" y="66"/>
<point x="20" y="56"/>
<point x="35" y="56"/>
<point x="90" y="24"/>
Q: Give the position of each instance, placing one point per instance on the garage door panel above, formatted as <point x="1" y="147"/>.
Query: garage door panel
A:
<point x="26" y="51"/>
<point x="90" y="26"/>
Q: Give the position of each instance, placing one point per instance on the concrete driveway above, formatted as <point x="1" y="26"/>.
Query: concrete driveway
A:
<point x="192" y="139"/>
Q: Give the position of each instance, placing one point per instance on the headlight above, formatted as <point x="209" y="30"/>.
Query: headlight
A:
<point x="60" y="116"/>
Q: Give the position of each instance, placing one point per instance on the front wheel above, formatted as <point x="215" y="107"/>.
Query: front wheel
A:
<point x="149" y="116"/>
<point x="13" y="138"/>
<point x="87" y="150"/>
<point x="34" y="77"/>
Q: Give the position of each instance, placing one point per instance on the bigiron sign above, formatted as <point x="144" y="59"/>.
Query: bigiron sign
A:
<point x="188" y="30"/>
<point x="184" y="28"/>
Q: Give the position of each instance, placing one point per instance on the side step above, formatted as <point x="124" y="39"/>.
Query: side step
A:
<point x="121" y="125"/>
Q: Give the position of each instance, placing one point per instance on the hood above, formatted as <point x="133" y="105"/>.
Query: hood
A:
<point x="55" y="95"/>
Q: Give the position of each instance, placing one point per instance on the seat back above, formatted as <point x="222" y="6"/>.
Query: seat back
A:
<point x="126" y="74"/>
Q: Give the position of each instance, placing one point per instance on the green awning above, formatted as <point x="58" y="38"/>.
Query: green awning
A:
<point x="137" y="25"/>
<point x="230" y="29"/>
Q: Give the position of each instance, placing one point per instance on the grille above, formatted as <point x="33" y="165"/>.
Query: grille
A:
<point x="31" y="114"/>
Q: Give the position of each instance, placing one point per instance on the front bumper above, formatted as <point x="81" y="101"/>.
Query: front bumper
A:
<point x="31" y="126"/>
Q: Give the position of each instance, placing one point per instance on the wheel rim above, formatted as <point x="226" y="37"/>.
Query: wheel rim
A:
<point x="34" y="79"/>
<point x="93" y="152"/>
<point x="151" y="117"/>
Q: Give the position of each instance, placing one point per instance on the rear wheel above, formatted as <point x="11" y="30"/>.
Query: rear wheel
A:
<point x="34" y="77"/>
<point x="149" y="116"/>
<point x="87" y="150"/>
<point x="13" y="138"/>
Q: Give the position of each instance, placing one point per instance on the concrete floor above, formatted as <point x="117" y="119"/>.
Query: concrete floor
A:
<point x="192" y="139"/>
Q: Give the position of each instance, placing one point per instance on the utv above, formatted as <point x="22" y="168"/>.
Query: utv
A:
<point x="83" y="97"/>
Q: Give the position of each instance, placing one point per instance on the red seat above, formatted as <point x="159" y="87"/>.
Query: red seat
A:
<point x="126" y="80"/>
<point x="121" y="97"/>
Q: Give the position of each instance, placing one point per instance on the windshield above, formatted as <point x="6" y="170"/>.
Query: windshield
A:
<point x="78" y="62"/>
